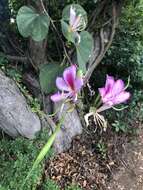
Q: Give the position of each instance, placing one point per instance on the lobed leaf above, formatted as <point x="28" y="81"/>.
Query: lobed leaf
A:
<point x="84" y="49"/>
<point x="32" y="24"/>
<point x="47" y="76"/>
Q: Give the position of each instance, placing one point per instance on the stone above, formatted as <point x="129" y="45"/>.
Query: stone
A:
<point x="16" y="117"/>
<point x="70" y="128"/>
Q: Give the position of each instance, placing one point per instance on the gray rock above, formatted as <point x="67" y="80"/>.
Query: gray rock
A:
<point x="71" y="127"/>
<point x="16" y="118"/>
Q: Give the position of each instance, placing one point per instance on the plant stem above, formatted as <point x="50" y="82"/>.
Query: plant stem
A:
<point x="44" y="151"/>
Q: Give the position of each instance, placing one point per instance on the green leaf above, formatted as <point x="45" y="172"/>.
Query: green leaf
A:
<point x="69" y="35"/>
<point x="48" y="74"/>
<point x="32" y="24"/>
<point x="84" y="49"/>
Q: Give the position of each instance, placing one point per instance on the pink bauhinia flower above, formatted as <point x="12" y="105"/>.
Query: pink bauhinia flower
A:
<point x="69" y="85"/>
<point x="113" y="93"/>
<point x="76" y="22"/>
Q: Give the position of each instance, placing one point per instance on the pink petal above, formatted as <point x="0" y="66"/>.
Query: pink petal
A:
<point x="69" y="76"/>
<point x="122" y="97"/>
<point x="76" y="23"/>
<point x="72" y="16"/>
<point x="61" y="84"/>
<point x="57" y="97"/>
<point x="104" y="107"/>
<point x="109" y="83"/>
<point x="102" y="91"/>
<point x="118" y="87"/>
<point x="78" y="83"/>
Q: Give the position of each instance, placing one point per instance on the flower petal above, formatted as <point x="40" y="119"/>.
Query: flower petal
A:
<point x="69" y="76"/>
<point x="78" y="83"/>
<point x="76" y="23"/>
<point x="58" y="97"/>
<point x="102" y="91"/>
<point x="122" y="97"/>
<point x="109" y="83"/>
<point x="104" y="107"/>
<point x="118" y="87"/>
<point x="72" y="16"/>
<point x="61" y="84"/>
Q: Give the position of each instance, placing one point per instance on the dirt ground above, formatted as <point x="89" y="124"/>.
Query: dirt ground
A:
<point x="130" y="175"/>
<point x="100" y="161"/>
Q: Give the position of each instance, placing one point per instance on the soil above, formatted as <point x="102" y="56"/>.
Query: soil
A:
<point x="130" y="175"/>
<point x="100" y="160"/>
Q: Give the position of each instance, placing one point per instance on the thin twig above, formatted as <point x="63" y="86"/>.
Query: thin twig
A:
<point x="16" y="58"/>
<point x="95" y="14"/>
<point x="53" y="25"/>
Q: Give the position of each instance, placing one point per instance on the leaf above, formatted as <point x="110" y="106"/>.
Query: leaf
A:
<point x="48" y="74"/>
<point x="69" y="35"/>
<point x="84" y="49"/>
<point x="32" y="24"/>
<point x="48" y="145"/>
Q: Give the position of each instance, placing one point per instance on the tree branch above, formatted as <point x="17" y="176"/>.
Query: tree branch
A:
<point x="96" y="59"/>
<point x="16" y="58"/>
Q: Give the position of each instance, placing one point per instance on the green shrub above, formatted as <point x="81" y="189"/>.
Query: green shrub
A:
<point x="49" y="185"/>
<point x="125" y="57"/>
<point x="73" y="187"/>
<point x="16" y="159"/>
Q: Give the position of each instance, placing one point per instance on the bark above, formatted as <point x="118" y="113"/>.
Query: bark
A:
<point x="16" y="118"/>
<point x="37" y="52"/>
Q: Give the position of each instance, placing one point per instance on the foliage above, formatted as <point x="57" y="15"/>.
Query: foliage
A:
<point x="83" y="53"/>
<point x="36" y="25"/>
<point x="120" y="126"/>
<point x="125" y="54"/>
<point x="101" y="147"/>
<point x="16" y="159"/>
<point x="51" y="185"/>
<point x="43" y="153"/>
<point x="73" y="187"/>
<point x="4" y="12"/>
<point x="48" y="75"/>
<point x="32" y="24"/>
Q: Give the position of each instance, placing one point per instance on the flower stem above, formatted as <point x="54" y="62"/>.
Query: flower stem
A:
<point x="98" y="101"/>
<point x="44" y="151"/>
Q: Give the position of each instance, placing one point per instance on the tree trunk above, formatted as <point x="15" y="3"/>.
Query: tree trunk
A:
<point x="37" y="53"/>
